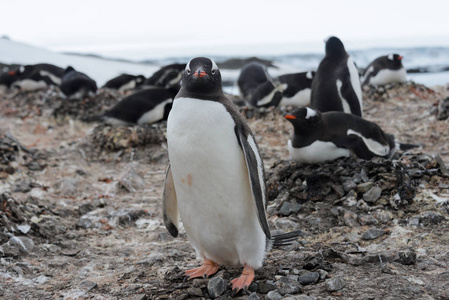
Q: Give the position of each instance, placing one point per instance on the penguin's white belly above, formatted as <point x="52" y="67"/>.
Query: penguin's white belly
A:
<point x="386" y="76"/>
<point x="300" y="99"/>
<point x="212" y="186"/>
<point x="317" y="152"/>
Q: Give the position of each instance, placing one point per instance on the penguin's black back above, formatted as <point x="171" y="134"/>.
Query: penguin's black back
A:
<point x="251" y="76"/>
<point x="131" y="108"/>
<point x="74" y="81"/>
<point x="117" y="82"/>
<point x="295" y="82"/>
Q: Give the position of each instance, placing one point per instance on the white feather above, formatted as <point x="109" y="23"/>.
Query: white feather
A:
<point x="355" y="81"/>
<point x="212" y="184"/>
<point x="386" y="76"/>
<point x="345" y="103"/>
<point x="27" y="85"/>
<point x="267" y="99"/>
<point x="317" y="152"/>
<point x="154" y="115"/>
<point x="128" y="86"/>
<point x="53" y="78"/>
<point x="373" y="146"/>
<point x="310" y="113"/>
<point x="300" y="99"/>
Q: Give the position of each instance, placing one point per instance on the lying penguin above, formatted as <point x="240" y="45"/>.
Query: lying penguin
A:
<point x="385" y="69"/>
<point x="143" y="107"/>
<point x="38" y="76"/>
<point x="125" y="82"/>
<point x="319" y="137"/>
<point x="288" y="89"/>
<point x="77" y="85"/>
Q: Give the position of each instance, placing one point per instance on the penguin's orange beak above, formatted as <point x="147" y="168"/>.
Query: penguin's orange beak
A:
<point x="290" y="117"/>
<point x="200" y="73"/>
<point x="12" y="73"/>
<point x="400" y="57"/>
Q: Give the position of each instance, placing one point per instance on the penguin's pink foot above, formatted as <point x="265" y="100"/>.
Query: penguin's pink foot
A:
<point x="243" y="282"/>
<point x="207" y="269"/>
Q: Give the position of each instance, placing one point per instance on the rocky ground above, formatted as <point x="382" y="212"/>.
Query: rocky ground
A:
<point x="80" y="213"/>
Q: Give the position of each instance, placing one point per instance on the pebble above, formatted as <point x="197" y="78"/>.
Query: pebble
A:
<point x="253" y="296"/>
<point x="365" y="187"/>
<point x="289" y="285"/>
<point x="265" y="287"/>
<point x="323" y="274"/>
<point x="23" y="243"/>
<point x="87" y="285"/>
<point x="384" y="216"/>
<point x="367" y="220"/>
<point x="193" y="291"/>
<point x="274" y="295"/>
<point x="309" y="278"/>
<point x="289" y="208"/>
<point x="372" y="233"/>
<point x="285" y="224"/>
<point x="299" y="297"/>
<point x="216" y="287"/>
<point x="372" y="195"/>
<point x="335" y="284"/>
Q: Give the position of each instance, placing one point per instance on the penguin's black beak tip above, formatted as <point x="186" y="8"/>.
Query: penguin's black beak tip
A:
<point x="200" y="73"/>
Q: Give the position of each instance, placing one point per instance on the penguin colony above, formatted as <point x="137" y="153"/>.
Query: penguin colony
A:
<point x="215" y="180"/>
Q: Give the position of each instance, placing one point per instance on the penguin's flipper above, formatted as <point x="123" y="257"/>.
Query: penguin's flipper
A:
<point x="170" y="204"/>
<point x="256" y="175"/>
<point x="348" y="93"/>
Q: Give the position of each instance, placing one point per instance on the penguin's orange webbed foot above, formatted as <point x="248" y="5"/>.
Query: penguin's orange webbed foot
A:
<point x="243" y="282"/>
<point x="207" y="269"/>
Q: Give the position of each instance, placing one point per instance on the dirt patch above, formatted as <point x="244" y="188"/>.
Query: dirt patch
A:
<point x="87" y="223"/>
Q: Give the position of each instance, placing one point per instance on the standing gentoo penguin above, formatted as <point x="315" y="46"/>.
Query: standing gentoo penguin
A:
<point x="336" y="85"/>
<point x="385" y="69"/>
<point x="77" y="85"/>
<point x="215" y="179"/>
<point x="319" y="137"/>
<point x="38" y="76"/>
<point x="289" y="89"/>
<point x="125" y="82"/>
<point x="143" y="107"/>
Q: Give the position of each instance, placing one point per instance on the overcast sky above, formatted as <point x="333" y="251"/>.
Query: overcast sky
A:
<point x="133" y="29"/>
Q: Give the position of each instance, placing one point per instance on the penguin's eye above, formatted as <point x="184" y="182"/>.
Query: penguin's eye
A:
<point x="188" y="71"/>
<point x="213" y="71"/>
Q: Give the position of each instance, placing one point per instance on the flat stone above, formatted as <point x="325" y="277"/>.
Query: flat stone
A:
<point x="289" y="208"/>
<point x="23" y="243"/>
<point x="289" y="285"/>
<point x="87" y="285"/>
<point x="367" y="220"/>
<point x="309" y="278"/>
<point x="274" y="295"/>
<point x="372" y="233"/>
<point x="335" y="284"/>
<point x="372" y="195"/>
<point x="365" y="187"/>
<point x="194" y="291"/>
<point x="216" y="287"/>
<point x="265" y="287"/>
<point x="253" y="296"/>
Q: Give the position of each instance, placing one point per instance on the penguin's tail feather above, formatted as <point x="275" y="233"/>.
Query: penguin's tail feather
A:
<point x="285" y="239"/>
<point x="94" y="118"/>
<point x="405" y="147"/>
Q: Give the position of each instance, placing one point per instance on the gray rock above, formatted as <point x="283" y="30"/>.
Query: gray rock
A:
<point x="384" y="216"/>
<point x="431" y="217"/>
<point x="323" y="274"/>
<point x="309" y="278"/>
<point x="87" y="285"/>
<point x="23" y="243"/>
<point x="216" y="287"/>
<point x="335" y="284"/>
<point x="289" y="208"/>
<point x="274" y="295"/>
<point x="372" y="233"/>
<point x="365" y="187"/>
<point x="286" y="224"/>
<point x="129" y="179"/>
<point x="289" y="285"/>
<point x="7" y="250"/>
<point x="253" y="296"/>
<point x="265" y="287"/>
<point x="367" y="220"/>
<point x="407" y="257"/>
<point x="349" y="185"/>
<point x="299" y="297"/>
<point x="194" y="291"/>
<point x="372" y="195"/>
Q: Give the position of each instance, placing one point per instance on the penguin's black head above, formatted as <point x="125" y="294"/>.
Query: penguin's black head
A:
<point x="334" y="47"/>
<point x="201" y="75"/>
<point x="395" y="60"/>
<point x="69" y="69"/>
<point x="304" y="119"/>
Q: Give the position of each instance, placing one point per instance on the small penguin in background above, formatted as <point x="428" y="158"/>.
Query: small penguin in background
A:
<point x="288" y="89"/>
<point x="251" y="76"/>
<point x="38" y="76"/>
<point x="215" y="180"/>
<point x="168" y="76"/>
<point x="143" y="107"/>
<point x="7" y="79"/>
<point x="320" y="137"/>
<point x="77" y="85"/>
<point x="336" y="84"/>
<point x="385" y="69"/>
<point x="125" y="82"/>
